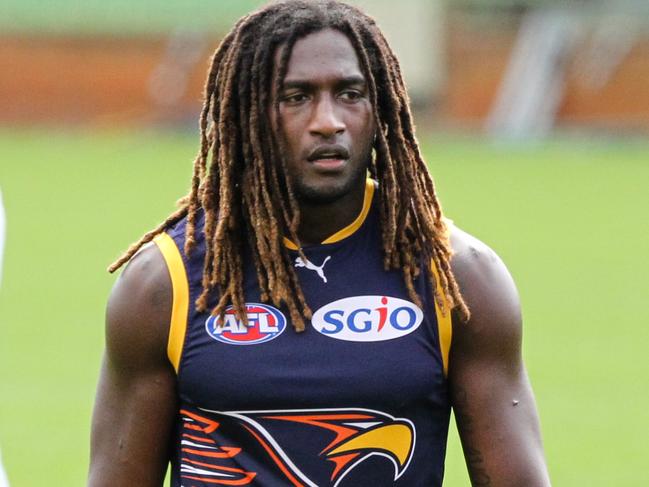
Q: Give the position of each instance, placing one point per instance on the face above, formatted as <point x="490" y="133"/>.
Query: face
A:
<point x="326" y="118"/>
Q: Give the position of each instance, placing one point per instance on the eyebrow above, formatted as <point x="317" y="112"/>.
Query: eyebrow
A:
<point x="346" y="81"/>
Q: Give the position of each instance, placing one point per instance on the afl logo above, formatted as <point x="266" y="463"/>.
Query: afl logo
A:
<point x="367" y="318"/>
<point x="264" y="324"/>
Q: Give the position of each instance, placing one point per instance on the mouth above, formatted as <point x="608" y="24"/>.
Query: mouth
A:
<point x="329" y="157"/>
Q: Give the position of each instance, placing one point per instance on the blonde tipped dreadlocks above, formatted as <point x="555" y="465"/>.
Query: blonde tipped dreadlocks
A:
<point x="240" y="180"/>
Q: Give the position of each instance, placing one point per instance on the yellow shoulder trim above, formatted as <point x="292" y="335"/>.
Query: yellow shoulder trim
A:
<point x="444" y="324"/>
<point x="289" y="244"/>
<point x="180" y="307"/>
<point x="353" y="226"/>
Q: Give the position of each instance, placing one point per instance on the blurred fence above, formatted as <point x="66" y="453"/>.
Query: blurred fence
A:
<point x="517" y="68"/>
<point x="557" y="64"/>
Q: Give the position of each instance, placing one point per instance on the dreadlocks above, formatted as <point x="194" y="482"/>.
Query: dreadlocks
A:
<point x="240" y="180"/>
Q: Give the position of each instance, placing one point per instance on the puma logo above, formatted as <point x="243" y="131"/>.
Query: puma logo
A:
<point x="299" y="262"/>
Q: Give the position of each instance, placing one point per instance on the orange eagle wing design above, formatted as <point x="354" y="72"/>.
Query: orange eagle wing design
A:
<point x="303" y="448"/>
<point x="199" y="452"/>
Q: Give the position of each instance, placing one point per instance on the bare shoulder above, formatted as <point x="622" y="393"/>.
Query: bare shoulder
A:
<point x="491" y="394"/>
<point x="139" y="308"/>
<point x="136" y="399"/>
<point x="489" y="291"/>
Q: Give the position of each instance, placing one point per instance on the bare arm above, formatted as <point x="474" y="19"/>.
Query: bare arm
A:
<point x="492" y="398"/>
<point x="136" y="400"/>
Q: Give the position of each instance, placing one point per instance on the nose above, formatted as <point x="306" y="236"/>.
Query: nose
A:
<point x="325" y="120"/>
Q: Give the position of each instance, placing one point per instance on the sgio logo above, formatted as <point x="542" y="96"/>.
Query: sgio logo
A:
<point x="367" y="318"/>
<point x="264" y="324"/>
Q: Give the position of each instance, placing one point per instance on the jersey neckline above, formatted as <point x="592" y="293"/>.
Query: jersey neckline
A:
<point x="350" y="229"/>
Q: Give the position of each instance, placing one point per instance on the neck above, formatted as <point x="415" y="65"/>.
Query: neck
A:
<point x="320" y="221"/>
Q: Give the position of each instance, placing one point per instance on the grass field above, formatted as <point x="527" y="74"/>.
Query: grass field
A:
<point x="569" y="218"/>
<point x="118" y="17"/>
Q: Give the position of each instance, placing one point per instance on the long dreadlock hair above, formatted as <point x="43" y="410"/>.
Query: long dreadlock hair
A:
<point x="240" y="180"/>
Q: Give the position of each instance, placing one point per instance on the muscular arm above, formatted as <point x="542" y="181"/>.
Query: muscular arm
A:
<point x="492" y="398"/>
<point x="136" y="401"/>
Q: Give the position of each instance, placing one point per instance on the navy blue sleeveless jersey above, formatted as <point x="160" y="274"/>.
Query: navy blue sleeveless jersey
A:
<point x="357" y="399"/>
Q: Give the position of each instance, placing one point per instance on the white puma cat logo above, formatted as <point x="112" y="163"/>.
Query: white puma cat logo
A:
<point x="299" y="262"/>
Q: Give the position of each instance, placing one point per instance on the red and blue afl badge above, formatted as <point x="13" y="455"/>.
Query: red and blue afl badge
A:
<point x="265" y="323"/>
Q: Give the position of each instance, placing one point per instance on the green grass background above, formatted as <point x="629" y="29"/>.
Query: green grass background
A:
<point x="119" y="17"/>
<point x="568" y="217"/>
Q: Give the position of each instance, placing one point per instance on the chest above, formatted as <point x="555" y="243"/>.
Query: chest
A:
<point x="367" y="344"/>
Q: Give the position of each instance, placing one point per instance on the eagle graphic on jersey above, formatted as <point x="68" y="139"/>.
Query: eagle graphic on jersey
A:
<point x="303" y="446"/>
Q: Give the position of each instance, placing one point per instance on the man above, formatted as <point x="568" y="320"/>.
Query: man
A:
<point x="292" y="323"/>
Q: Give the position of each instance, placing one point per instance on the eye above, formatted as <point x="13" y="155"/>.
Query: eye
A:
<point x="294" y="98"/>
<point x="351" y="95"/>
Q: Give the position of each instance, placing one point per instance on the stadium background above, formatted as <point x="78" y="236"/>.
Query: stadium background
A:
<point x="98" y="103"/>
